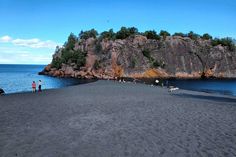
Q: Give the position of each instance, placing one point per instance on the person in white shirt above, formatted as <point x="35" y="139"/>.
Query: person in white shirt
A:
<point x="40" y="86"/>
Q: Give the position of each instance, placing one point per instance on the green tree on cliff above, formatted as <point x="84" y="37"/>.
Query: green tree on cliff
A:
<point x="206" y="36"/>
<point x="164" y="34"/>
<point x="69" y="54"/>
<point x="56" y="63"/>
<point x="151" y="35"/>
<point x="76" y="56"/>
<point x="88" y="34"/>
<point x="133" y="31"/>
<point x="124" y="32"/>
<point x="179" y="34"/>
<point x="224" y="42"/>
<point x="108" y="35"/>
<point x="193" y="35"/>
<point x="79" y="58"/>
<point x="70" y="44"/>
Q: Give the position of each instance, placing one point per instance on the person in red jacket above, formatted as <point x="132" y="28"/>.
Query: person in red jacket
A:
<point x="34" y="87"/>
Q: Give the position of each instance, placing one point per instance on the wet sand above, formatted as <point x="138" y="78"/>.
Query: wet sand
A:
<point x="111" y="119"/>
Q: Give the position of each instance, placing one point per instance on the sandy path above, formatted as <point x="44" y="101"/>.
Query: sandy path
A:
<point x="107" y="119"/>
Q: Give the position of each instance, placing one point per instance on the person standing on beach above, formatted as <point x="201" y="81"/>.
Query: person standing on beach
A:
<point x="167" y="83"/>
<point x="40" y="86"/>
<point x="1" y="91"/>
<point x="34" y="87"/>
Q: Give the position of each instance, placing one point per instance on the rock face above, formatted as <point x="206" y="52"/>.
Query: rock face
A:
<point x="137" y="57"/>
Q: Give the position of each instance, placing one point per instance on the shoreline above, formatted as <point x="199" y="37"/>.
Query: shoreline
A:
<point x="211" y="94"/>
<point x="84" y="81"/>
<point x="146" y="81"/>
<point x="145" y="84"/>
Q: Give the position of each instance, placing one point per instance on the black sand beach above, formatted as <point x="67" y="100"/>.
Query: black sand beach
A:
<point x="111" y="119"/>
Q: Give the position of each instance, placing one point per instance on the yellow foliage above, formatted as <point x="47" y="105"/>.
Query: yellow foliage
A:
<point x="151" y="73"/>
<point x="118" y="71"/>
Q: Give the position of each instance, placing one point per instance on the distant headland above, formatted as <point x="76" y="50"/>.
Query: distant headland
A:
<point x="134" y="54"/>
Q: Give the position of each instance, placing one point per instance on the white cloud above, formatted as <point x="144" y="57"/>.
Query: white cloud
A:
<point x="32" y="43"/>
<point x="26" y="51"/>
<point x="4" y="61"/>
<point x="13" y="50"/>
<point x="12" y="54"/>
<point x="5" y="39"/>
<point x="24" y="57"/>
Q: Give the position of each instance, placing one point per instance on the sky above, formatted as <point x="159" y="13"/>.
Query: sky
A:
<point x="31" y="29"/>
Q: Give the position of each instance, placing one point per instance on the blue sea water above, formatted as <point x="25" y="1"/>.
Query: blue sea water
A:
<point x="18" y="78"/>
<point x="219" y="86"/>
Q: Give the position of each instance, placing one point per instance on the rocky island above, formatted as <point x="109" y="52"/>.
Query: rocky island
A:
<point x="130" y="53"/>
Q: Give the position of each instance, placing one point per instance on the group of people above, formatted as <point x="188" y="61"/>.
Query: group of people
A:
<point x="34" y="86"/>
